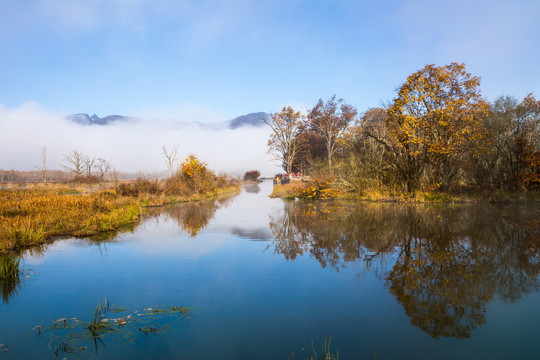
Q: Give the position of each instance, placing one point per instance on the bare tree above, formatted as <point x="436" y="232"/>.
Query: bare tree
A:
<point x="170" y="157"/>
<point x="43" y="167"/>
<point x="88" y="163"/>
<point x="284" y="142"/>
<point x="74" y="162"/>
<point x="113" y="175"/>
<point x="331" y="119"/>
<point x="102" y="167"/>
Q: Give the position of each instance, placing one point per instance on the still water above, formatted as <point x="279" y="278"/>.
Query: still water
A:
<point x="264" y="279"/>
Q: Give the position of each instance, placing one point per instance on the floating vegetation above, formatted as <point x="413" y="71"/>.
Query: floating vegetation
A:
<point x="70" y="335"/>
<point x="152" y="330"/>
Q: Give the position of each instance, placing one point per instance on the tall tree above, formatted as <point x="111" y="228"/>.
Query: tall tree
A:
<point x="284" y="141"/>
<point x="331" y="119"/>
<point x="436" y="118"/>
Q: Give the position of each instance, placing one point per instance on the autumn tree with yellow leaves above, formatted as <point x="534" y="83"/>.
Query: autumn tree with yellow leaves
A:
<point x="436" y="119"/>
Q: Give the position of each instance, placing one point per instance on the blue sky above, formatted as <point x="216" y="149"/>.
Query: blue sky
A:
<point x="211" y="60"/>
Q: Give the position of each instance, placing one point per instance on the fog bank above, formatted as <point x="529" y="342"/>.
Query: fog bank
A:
<point x="130" y="146"/>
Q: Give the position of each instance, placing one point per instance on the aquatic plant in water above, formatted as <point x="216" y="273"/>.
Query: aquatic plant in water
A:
<point x="70" y="335"/>
<point x="318" y="353"/>
<point x="326" y="354"/>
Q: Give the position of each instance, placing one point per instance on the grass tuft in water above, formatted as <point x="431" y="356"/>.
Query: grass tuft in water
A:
<point x="99" y="327"/>
<point x="326" y="353"/>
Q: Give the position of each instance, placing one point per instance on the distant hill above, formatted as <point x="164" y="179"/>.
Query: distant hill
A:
<point x="253" y="119"/>
<point x="85" y="119"/>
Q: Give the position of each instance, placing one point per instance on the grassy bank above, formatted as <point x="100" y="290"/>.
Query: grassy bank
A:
<point x="33" y="215"/>
<point x="324" y="189"/>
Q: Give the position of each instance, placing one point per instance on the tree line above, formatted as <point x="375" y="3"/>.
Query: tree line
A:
<point x="439" y="133"/>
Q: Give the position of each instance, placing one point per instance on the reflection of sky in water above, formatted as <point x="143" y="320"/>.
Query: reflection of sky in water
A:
<point x="242" y="216"/>
<point x="250" y="301"/>
<point x="249" y="212"/>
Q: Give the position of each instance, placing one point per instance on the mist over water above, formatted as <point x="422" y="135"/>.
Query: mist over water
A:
<point x="133" y="146"/>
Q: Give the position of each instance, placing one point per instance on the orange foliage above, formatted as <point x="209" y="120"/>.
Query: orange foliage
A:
<point x="192" y="166"/>
<point x="437" y="118"/>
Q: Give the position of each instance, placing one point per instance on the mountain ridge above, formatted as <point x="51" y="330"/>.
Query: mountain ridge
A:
<point x="252" y="119"/>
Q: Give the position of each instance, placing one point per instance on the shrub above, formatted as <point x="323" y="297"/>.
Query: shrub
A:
<point x="138" y="187"/>
<point x="194" y="177"/>
<point x="192" y="167"/>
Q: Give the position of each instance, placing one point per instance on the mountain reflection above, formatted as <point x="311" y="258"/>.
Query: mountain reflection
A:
<point x="443" y="264"/>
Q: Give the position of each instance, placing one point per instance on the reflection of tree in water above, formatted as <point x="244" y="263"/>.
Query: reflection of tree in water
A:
<point x="193" y="217"/>
<point x="252" y="188"/>
<point x="333" y="233"/>
<point x="450" y="261"/>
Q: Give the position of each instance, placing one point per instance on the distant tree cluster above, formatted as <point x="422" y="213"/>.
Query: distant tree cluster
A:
<point x="85" y="167"/>
<point x="439" y="133"/>
<point x="252" y="175"/>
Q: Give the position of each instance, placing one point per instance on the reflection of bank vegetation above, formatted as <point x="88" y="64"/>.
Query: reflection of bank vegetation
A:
<point x="194" y="217"/>
<point x="443" y="264"/>
<point x="10" y="276"/>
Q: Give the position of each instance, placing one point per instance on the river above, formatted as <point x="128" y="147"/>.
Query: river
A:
<point x="257" y="278"/>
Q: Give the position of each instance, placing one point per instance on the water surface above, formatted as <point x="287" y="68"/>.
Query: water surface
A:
<point x="264" y="278"/>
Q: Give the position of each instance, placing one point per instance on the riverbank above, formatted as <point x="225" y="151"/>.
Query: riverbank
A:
<point x="320" y="190"/>
<point x="33" y="214"/>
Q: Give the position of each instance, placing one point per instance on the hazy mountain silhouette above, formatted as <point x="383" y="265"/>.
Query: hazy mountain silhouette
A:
<point x="252" y="119"/>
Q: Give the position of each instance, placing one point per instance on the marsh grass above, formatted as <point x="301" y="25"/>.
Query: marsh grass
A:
<point x="31" y="217"/>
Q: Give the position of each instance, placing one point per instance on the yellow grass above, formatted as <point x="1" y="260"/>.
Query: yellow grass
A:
<point x="30" y="217"/>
